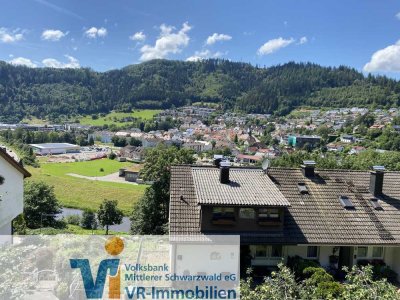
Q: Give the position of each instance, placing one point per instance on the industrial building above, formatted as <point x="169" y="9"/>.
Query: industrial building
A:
<point x="55" y="148"/>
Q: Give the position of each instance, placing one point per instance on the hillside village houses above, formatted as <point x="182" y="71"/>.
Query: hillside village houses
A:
<point x="11" y="192"/>
<point x="237" y="132"/>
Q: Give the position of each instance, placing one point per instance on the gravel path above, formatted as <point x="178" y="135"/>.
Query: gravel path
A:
<point x="114" y="177"/>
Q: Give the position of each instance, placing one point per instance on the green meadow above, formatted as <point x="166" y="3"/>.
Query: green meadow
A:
<point x="115" y="117"/>
<point x="84" y="193"/>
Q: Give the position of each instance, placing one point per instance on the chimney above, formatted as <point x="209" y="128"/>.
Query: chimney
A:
<point x="376" y="180"/>
<point x="308" y="168"/>
<point x="224" y="172"/>
<point x="217" y="159"/>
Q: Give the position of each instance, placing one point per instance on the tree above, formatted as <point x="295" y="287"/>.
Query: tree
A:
<point x="360" y="285"/>
<point x="88" y="220"/>
<point x="109" y="214"/>
<point x="213" y="143"/>
<point x="236" y="140"/>
<point x="40" y="205"/>
<point x="150" y="213"/>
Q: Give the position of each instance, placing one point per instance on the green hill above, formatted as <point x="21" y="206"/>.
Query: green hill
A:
<point x="158" y="84"/>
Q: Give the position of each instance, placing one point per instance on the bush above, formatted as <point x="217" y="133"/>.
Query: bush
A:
<point x="281" y="285"/>
<point x="73" y="219"/>
<point x="19" y="225"/>
<point x="361" y="286"/>
<point x="88" y="220"/>
<point x="298" y="264"/>
<point x="384" y="272"/>
<point x="101" y="170"/>
<point x="112" y="155"/>
<point x="320" y="285"/>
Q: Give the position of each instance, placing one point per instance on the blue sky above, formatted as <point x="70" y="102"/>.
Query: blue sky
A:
<point x="103" y="35"/>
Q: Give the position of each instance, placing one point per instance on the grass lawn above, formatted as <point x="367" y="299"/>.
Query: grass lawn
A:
<point x="146" y="114"/>
<point x="34" y="121"/>
<point x="86" y="168"/>
<point x="83" y="193"/>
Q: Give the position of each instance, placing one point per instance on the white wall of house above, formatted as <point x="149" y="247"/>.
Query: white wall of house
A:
<point x="6" y="229"/>
<point x="11" y="193"/>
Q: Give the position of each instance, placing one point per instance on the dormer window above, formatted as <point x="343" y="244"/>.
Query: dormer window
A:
<point x="223" y="215"/>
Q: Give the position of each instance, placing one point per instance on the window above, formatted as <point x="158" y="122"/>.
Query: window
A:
<point x="312" y="252"/>
<point x="247" y="213"/>
<point x="276" y="251"/>
<point x="261" y="251"/>
<point x="362" y="252"/>
<point x="269" y="214"/>
<point x="224" y="213"/>
<point x="377" y="252"/>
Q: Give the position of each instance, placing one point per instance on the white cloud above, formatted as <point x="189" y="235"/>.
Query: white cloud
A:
<point x="274" y="45"/>
<point x="53" y="35"/>
<point x="95" y="32"/>
<point x="138" y="36"/>
<point x="72" y="63"/>
<point x="200" y="55"/>
<point x="7" y="36"/>
<point x="303" y="40"/>
<point x="169" y="42"/>
<point x="398" y="15"/>
<point x="386" y="59"/>
<point x="216" y="37"/>
<point x="22" y="61"/>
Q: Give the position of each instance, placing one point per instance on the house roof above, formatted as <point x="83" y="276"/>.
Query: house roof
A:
<point x="55" y="146"/>
<point x="315" y="218"/>
<point x="246" y="187"/>
<point x="14" y="163"/>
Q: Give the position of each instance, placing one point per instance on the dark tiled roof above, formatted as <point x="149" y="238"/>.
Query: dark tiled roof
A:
<point x="313" y="218"/>
<point x="246" y="187"/>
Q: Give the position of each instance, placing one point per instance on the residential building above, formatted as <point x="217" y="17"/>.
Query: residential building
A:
<point x="248" y="159"/>
<point x="334" y="147"/>
<point x="11" y="193"/>
<point x="337" y="217"/>
<point x="198" y="146"/>
<point x="132" y="153"/>
<point x="348" y="139"/>
<point x="299" y="141"/>
<point x="102" y="136"/>
<point x="357" y="150"/>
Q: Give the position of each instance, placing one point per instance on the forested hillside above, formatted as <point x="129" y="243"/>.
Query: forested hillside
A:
<point x="51" y="93"/>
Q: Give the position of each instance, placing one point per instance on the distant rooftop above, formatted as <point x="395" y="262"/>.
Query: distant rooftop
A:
<point x="54" y="146"/>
